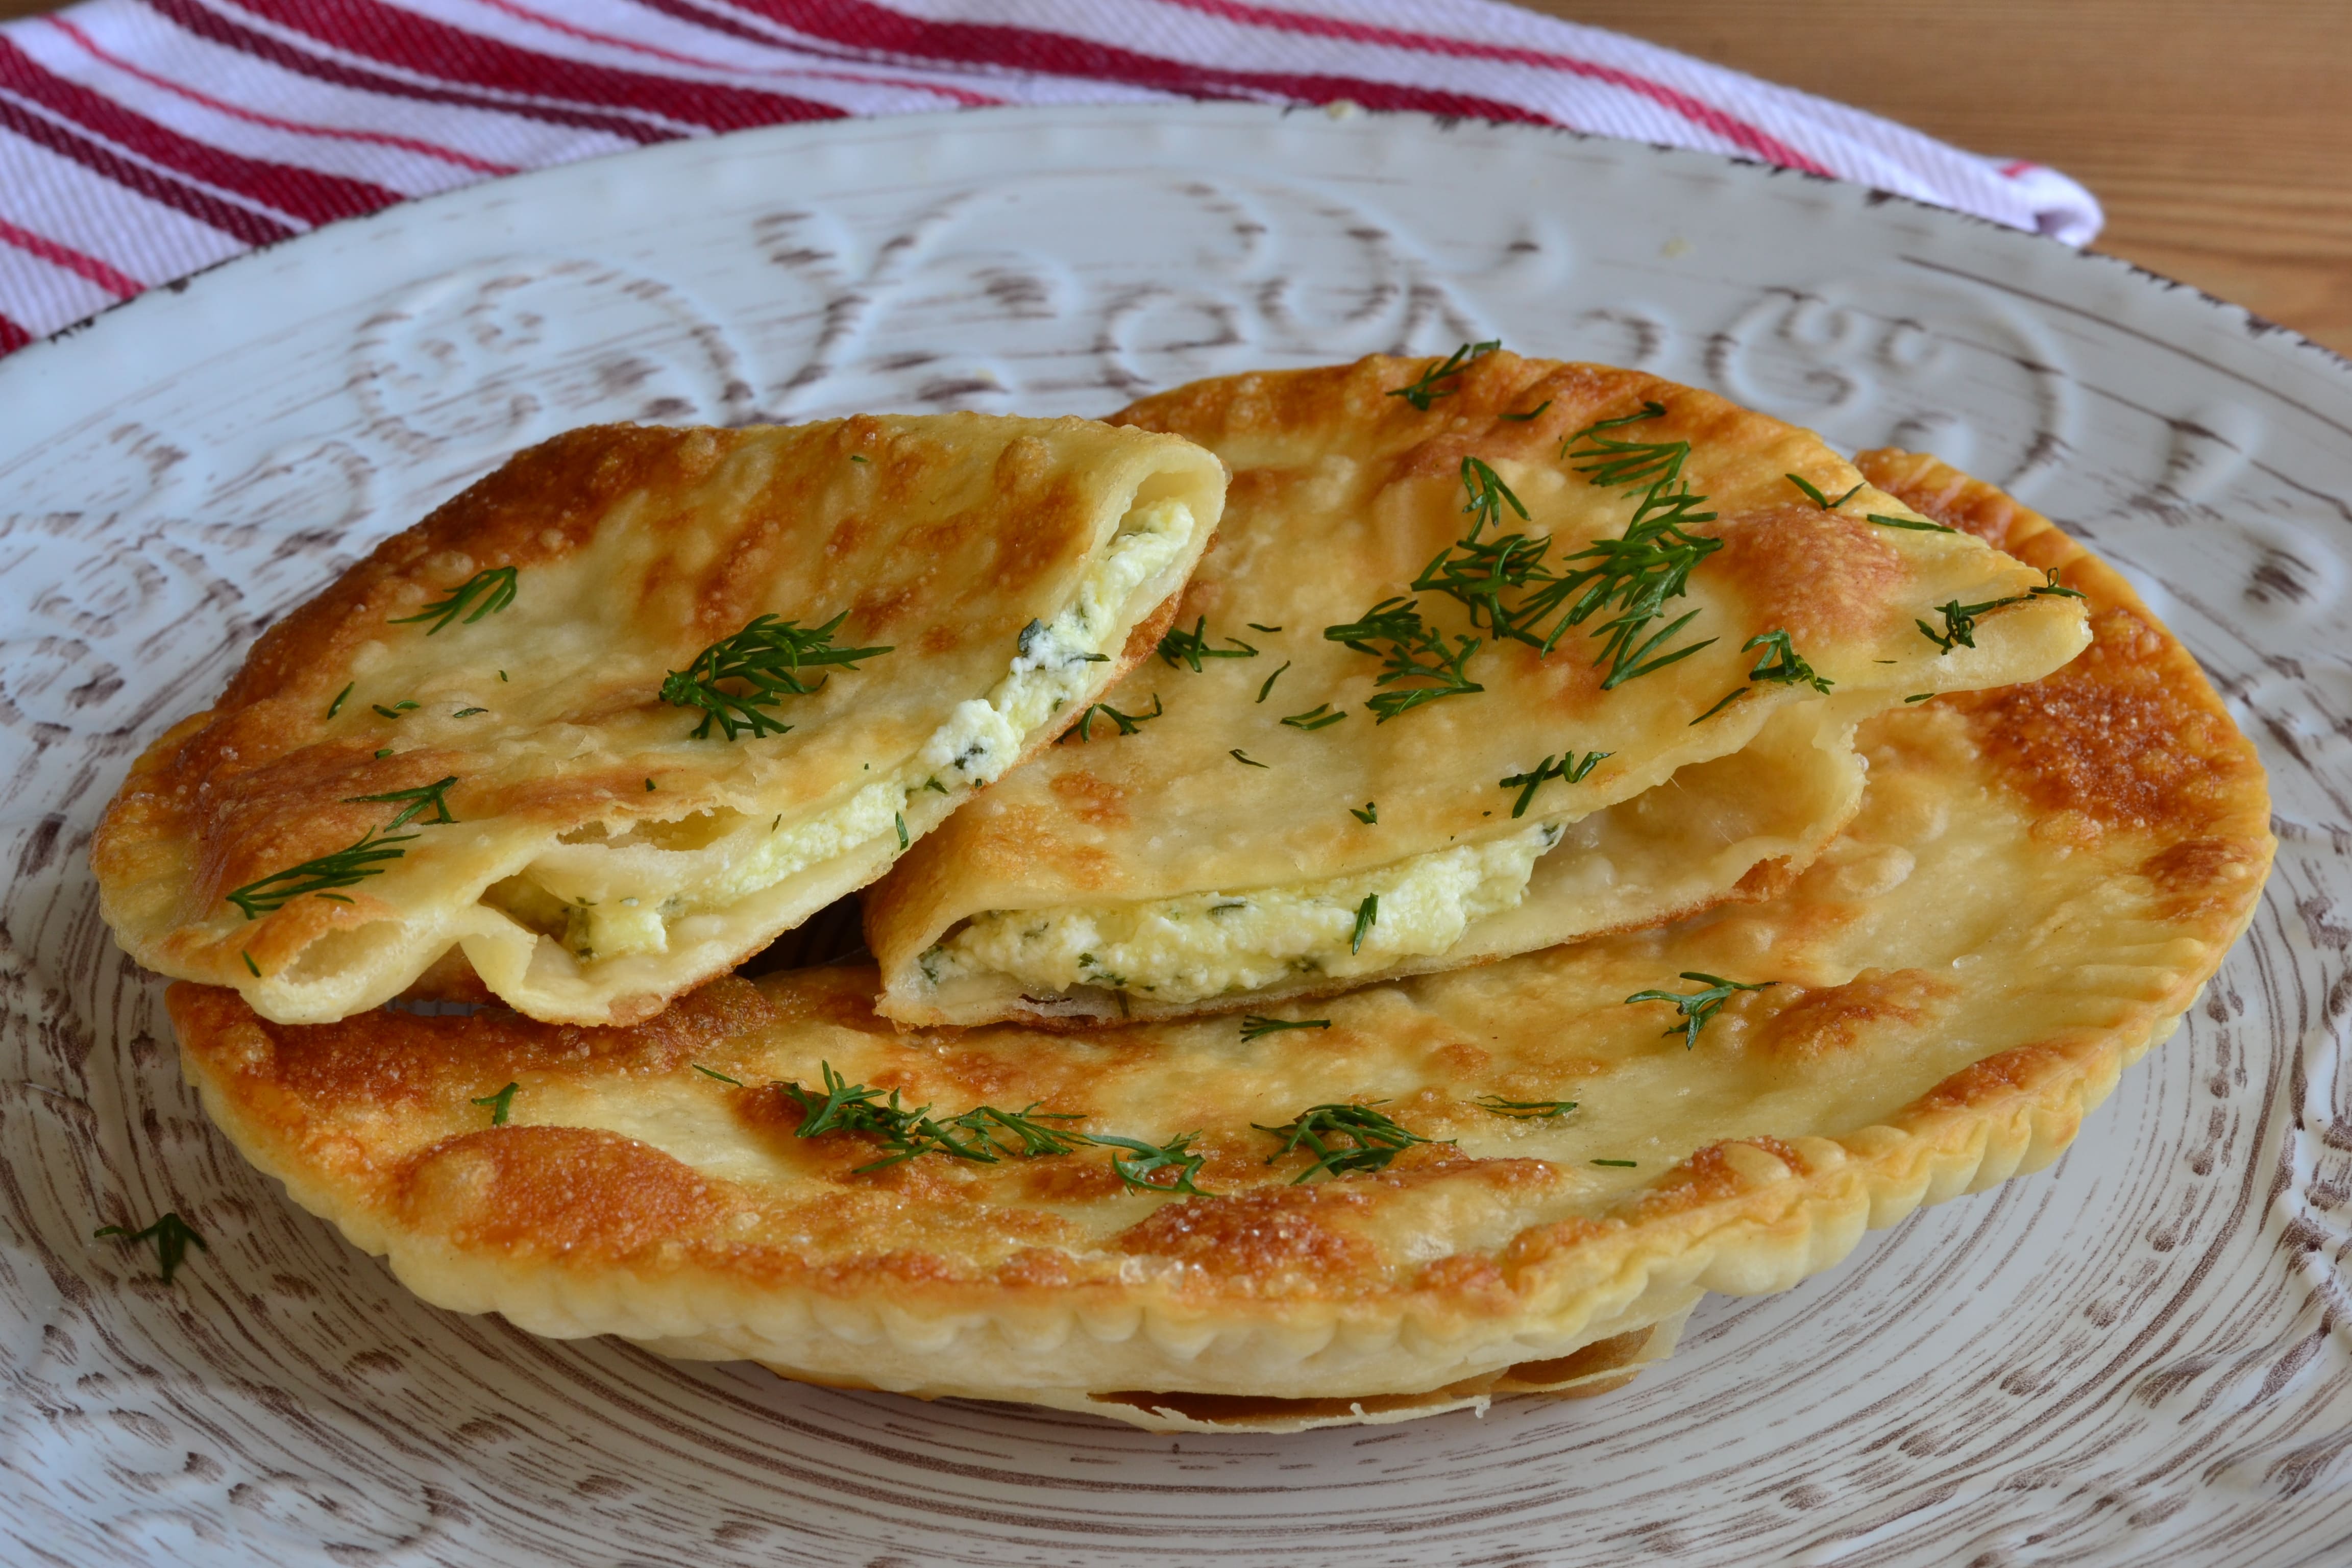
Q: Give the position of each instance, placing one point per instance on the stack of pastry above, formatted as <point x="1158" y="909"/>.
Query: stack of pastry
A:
<point x="1567" y="845"/>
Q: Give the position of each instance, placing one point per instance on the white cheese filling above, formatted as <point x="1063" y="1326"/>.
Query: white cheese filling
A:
<point x="1213" y="944"/>
<point x="618" y="895"/>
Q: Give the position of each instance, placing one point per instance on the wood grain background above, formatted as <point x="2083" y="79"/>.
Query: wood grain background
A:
<point x="2219" y="137"/>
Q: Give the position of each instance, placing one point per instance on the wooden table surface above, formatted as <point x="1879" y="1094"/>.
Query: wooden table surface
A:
<point x="2219" y="137"/>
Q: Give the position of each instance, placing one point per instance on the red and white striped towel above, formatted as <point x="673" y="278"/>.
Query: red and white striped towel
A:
<point x="141" y="139"/>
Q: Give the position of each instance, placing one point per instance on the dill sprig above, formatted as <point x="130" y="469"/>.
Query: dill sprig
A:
<point x="714" y="1072"/>
<point x="1697" y="1007"/>
<point x="1511" y="588"/>
<point x="1566" y="767"/>
<point x="1524" y="1109"/>
<point x="346" y="868"/>
<point x="1488" y="495"/>
<point x="1412" y="651"/>
<point x="1960" y="620"/>
<point x="1255" y="1027"/>
<point x="1342" y="1138"/>
<point x="1316" y="718"/>
<point x="766" y="655"/>
<point x="1178" y="646"/>
<point x="1534" y="412"/>
<point x="171" y="1234"/>
<point x="337" y="705"/>
<point x="1245" y="758"/>
<point x="432" y="797"/>
<point x="1780" y="663"/>
<point x="1814" y="495"/>
<point x="1368" y="915"/>
<point x="500" y="1104"/>
<point x="1431" y="385"/>
<point x="983" y="1134"/>
<point x="1370" y="816"/>
<point x="486" y="592"/>
<point x="1266" y="689"/>
<point x="1917" y="525"/>
<point x="1174" y="1155"/>
<point x="1128" y="723"/>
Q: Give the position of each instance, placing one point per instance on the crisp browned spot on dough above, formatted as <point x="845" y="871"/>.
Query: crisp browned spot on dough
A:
<point x="1825" y="1022"/>
<point x="1814" y="574"/>
<point x="1710" y="1175"/>
<point x="1463" y="1274"/>
<point x="1037" y="1267"/>
<point x="2008" y="1074"/>
<point x="1092" y="798"/>
<point x="2116" y="735"/>
<point x="2203" y="875"/>
<point x="1263" y="1235"/>
<point x="572" y="1191"/>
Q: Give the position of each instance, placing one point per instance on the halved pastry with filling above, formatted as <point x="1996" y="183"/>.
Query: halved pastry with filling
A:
<point x="1490" y="654"/>
<point x="1407" y="1199"/>
<point x="623" y="710"/>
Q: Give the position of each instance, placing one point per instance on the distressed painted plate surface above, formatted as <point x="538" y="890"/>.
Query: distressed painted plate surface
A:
<point x="2143" y="1355"/>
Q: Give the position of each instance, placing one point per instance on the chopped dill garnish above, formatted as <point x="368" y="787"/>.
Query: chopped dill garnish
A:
<point x="900" y="818"/>
<point x="346" y="868"/>
<point x="1368" y="816"/>
<point x="1780" y="663"/>
<point x="171" y="1234"/>
<point x="1178" y="646"/>
<point x="1368" y="915"/>
<point x="1256" y="1028"/>
<point x="1174" y="1155"/>
<point x="1431" y="385"/>
<point x="854" y="457"/>
<point x="983" y="1134"/>
<point x="1413" y="652"/>
<point x="649" y="787"/>
<point x="418" y="800"/>
<point x="767" y="656"/>
<point x="494" y="588"/>
<point x="1919" y="697"/>
<point x="1565" y="767"/>
<point x="1623" y="1165"/>
<point x="714" y="1072"/>
<point x="1316" y="717"/>
<point x="1256" y="627"/>
<point x="383" y="754"/>
<point x="337" y="705"/>
<point x="1814" y="495"/>
<point x="1264" y="690"/>
<point x="934" y="783"/>
<point x="502" y="675"/>
<point x="1917" y="525"/>
<point x="1128" y="723"/>
<point x="1342" y="1138"/>
<point x="499" y="1103"/>
<point x="1960" y="620"/>
<point x="1245" y="758"/>
<point x="1632" y="576"/>
<point x="250" y="967"/>
<point x="1534" y="412"/>
<point x="390" y="712"/>
<point x="1524" y="1109"/>
<point x="467" y="712"/>
<point x="1488" y="495"/>
<point x="1697" y="1007"/>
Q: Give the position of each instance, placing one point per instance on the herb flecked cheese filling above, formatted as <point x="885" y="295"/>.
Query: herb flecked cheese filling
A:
<point x="612" y="896"/>
<point x="1213" y="944"/>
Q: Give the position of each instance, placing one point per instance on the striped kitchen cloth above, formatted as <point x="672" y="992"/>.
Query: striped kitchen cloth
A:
<point x="141" y="139"/>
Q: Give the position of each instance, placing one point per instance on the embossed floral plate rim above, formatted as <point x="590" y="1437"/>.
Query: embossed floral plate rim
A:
<point x="2204" y="457"/>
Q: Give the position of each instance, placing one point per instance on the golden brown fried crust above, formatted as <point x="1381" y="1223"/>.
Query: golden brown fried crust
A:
<point x="1843" y="1092"/>
<point x="634" y="549"/>
<point x="2130" y="737"/>
<point x="1342" y="494"/>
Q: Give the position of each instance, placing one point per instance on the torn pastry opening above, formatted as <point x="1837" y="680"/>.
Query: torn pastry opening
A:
<point x="1688" y="842"/>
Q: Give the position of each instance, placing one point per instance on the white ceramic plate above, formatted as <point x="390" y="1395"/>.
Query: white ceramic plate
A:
<point x="2139" y="1356"/>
